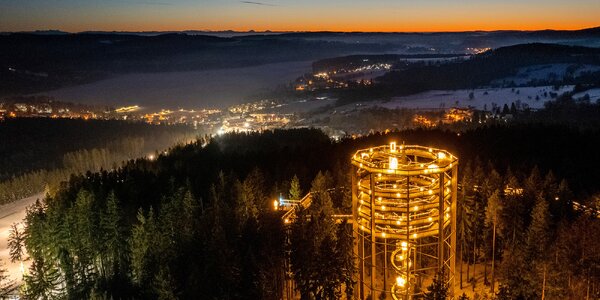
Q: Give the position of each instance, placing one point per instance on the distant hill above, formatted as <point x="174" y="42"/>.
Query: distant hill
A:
<point x="336" y="63"/>
<point x="44" y="60"/>
<point x="38" y="62"/>
<point x="481" y="69"/>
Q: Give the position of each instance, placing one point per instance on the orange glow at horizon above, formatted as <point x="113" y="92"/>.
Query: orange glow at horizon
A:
<point x="368" y="27"/>
<point x="393" y="16"/>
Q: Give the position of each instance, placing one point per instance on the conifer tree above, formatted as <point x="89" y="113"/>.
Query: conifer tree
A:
<point x="114" y="241"/>
<point x="295" y="190"/>
<point x="140" y="245"/>
<point x="465" y="203"/>
<point x="538" y="234"/>
<point x="16" y="244"/>
<point x="254" y="190"/>
<point x="493" y="222"/>
<point x="438" y="290"/>
<point x="43" y="281"/>
<point x="315" y="264"/>
<point x="538" y="238"/>
<point x="245" y="207"/>
<point x="515" y="212"/>
<point x="345" y="257"/>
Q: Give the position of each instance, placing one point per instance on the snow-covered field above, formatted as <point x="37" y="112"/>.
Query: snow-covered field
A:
<point x="12" y="213"/>
<point x="593" y="93"/>
<point x="481" y="100"/>
<point x="199" y="89"/>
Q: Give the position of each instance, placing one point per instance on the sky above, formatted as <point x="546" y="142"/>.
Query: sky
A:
<point x="297" y="15"/>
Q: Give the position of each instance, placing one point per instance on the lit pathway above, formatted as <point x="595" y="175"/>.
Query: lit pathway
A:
<point x="12" y="213"/>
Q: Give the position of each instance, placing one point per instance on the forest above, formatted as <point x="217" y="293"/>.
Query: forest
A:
<point x="199" y="220"/>
<point x="39" y="151"/>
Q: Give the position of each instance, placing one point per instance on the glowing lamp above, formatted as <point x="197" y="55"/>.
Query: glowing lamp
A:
<point x="404" y="246"/>
<point x="393" y="163"/>
<point x="400" y="281"/>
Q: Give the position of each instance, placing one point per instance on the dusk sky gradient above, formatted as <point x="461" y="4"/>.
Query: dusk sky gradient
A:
<point x="300" y="15"/>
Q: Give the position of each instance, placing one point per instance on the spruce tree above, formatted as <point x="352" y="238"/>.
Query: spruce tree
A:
<point x="493" y="222"/>
<point x="538" y="239"/>
<point x="114" y="243"/>
<point x="254" y="189"/>
<point x="438" y="290"/>
<point x="345" y="257"/>
<point x="514" y="214"/>
<point x="465" y="204"/>
<point x="538" y="234"/>
<point x="16" y="244"/>
<point x="43" y="281"/>
<point x="140" y="245"/>
<point x="246" y="206"/>
<point x="314" y="255"/>
<point x="295" y="190"/>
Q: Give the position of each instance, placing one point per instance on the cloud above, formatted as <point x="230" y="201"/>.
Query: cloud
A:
<point x="258" y="3"/>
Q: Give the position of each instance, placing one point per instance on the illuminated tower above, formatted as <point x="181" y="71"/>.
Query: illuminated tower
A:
<point x="404" y="212"/>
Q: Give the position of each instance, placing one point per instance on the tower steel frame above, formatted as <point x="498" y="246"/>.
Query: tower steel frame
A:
<point x="404" y="219"/>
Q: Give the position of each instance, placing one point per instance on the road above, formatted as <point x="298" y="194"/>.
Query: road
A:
<point x="9" y="214"/>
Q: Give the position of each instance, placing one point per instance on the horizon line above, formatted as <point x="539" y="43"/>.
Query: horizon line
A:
<point x="288" y="31"/>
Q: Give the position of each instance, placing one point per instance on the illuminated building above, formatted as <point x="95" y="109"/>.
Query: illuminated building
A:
<point x="404" y="218"/>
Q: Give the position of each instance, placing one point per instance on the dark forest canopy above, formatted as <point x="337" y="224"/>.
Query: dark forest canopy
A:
<point x="40" y="143"/>
<point x="36" y="154"/>
<point x="199" y="221"/>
